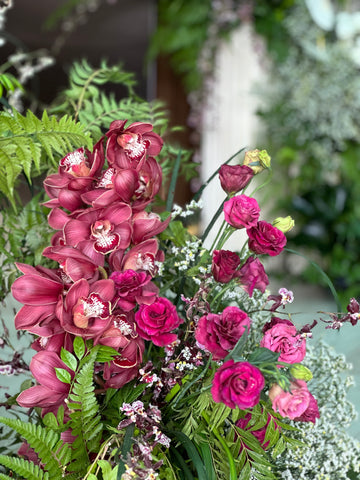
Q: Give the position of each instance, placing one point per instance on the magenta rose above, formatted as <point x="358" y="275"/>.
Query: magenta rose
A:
<point x="234" y="178"/>
<point x="219" y="333"/>
<point x="252" y="276"/>
<point x="265" y="238"/>
<point x="224" y="265"/>
<point x="156" y="321"/>
<point x="241" y="211"/>
<point x="133" y="288"/>
<point x="237" y="385"/>
<point x="297" y="404"/>
<point x="280" y="335"/>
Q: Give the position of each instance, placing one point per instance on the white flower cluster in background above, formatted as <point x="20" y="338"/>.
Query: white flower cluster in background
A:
<point x="189" y="209"/>
<point x="330" y="451"/>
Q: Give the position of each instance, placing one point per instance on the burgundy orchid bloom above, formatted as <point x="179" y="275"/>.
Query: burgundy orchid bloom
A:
<point x="97" y="232"/>
<point x="141" y="257"/>
<point x="74" y="264"/>
<point x="75" y="175"/>
<point x="39" y="289"/>
<point x="124" y="367"/>
<point x="51" y="392"/>
<point x="54" y="343"/>
<point x="120" y="332"/>
<point x="147" y="225"/>
<point x="150" y="179"/>
<point x="86" y="309"/>
<point x="128" y="147"/>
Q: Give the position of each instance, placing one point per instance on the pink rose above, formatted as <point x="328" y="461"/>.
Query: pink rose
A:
<point x="237" y="385"/>
<point x="252" y="276"/>
<point x="241" y="211"/>
<point x="298" y="404"/>
<point x="265" y="238"/>
<point x="224" y="265"/>
<point x="156" y="321"/>
<point x="219" y="333"/>
<point x="133" y="288"/>
<point x="280" y="335"/>
<point x="234" y="178"/>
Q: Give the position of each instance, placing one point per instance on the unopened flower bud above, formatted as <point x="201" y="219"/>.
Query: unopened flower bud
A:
<point x="285" y="224"/>
<point x="258" y="160"/>
<point x="301" y="372"/>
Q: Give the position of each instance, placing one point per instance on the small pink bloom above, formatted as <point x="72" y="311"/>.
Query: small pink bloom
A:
<point x="234" y="178"/>
<point x="298" y="404"/>
<point x="280" y="335"/>
<point x="252" y="276"/>
<point x="219" y="333"/>
<point x="156" y="321"/>
<point x="237" y="385"/>
<point x="264" y="238"/>
<point x="241" y="211"/>
<point x="224" y="265"/>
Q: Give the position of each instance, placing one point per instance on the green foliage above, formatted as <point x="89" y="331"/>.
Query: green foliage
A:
<point x="51" y="450"/>
<point x="8" y="83"/>
<point x="85" y="420"/>
<point x="25" y="140"/>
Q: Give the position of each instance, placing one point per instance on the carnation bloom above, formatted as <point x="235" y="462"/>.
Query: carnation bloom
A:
<point x="252" y="276"/>
<point x="237" y="384"/>
<point x="156" y="321"/>
<point x="133" y="288"/>
<point x="241" y="211"/>
<point x="298" y="404"/>
<point x="219" y="333"/>
<point x="266" y="239"/>
<point x="280" y="335"/>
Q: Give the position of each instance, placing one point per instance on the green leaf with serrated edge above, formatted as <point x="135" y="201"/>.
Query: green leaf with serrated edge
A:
<point x="79" y="347"/>
<point x="259" y="458"/>
<point x="263" y="355"/>
<point x="69" y="359"/>
<point x="236" y="352"/>
<point x="218" y="415"/>
<point x="63" y="375"/>
<point x="249" y="440"/>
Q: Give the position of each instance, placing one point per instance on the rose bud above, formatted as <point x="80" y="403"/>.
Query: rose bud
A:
<point x="257" y="160"/>
<point x="224" y="265"/>
<point x="301" y="372"/>
<point x="285" y="224"/>
<point x="234" y="178"/>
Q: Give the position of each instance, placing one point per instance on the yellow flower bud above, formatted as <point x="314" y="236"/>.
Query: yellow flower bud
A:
<point x="301" y="372"/>
<point x="258" y="160"/>
<point x="285" y="224"/>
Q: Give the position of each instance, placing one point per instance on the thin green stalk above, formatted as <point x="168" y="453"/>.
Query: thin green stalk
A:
<point x="213" y="220"/>
<point x="233" y="475"/>
<point x="217" y="236"/>
<point x="269" y="177"/>
<point x="174" y="176"/>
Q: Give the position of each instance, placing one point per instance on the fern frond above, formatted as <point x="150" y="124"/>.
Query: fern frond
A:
<point x="5" y="477"/>
<point x="23" y="139"/>
<point x="45" y="442"/>
<point x="25" y="469"/>
<point x="84" y="417"/>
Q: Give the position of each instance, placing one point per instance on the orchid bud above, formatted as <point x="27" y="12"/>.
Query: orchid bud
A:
<point x="285" y="224"/>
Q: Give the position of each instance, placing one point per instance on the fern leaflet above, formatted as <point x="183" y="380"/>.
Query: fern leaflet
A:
<point x="22" y="467"/>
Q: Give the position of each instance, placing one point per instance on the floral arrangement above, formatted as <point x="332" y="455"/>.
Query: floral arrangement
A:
<point x="155" y="356"/>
